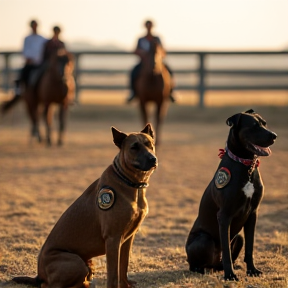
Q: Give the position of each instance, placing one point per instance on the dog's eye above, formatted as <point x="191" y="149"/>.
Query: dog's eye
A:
<point x="261" y="124"/>
<point x="148" y="144"/>
<point x="135" y="146"/>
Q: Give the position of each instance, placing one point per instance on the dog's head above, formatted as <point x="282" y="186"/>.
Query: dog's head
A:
<point x="250" y="130"/>
<point x="137" y="149"/>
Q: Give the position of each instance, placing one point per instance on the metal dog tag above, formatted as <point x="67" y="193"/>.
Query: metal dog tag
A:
<point x="105" y="198"/>
<point x="222" y="177"/>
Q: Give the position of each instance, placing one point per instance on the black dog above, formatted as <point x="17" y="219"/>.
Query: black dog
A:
<point x="231" y="200"/>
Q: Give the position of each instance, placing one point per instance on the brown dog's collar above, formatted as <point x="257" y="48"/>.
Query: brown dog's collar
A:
<point x="126" y="180"/>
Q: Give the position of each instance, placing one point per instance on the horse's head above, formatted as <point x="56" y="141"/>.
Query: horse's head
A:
<point x="153" y="60"/>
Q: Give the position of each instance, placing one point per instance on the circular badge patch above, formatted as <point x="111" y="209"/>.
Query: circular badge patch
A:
<point x="222" y="177"/>
<point x="105" y="198"/>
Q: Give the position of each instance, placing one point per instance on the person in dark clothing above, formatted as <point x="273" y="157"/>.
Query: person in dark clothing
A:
<point x="53" y="45"/>
<point x="143" y="46"/>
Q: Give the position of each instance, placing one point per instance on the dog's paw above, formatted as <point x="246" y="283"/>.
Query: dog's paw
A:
<point x="230" y="277"/>
<point x="253" y="272"/>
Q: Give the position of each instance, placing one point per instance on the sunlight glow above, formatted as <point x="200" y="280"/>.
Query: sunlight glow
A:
<point x="182" y="24"/>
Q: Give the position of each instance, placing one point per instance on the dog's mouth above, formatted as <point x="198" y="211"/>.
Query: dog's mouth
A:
<point x="260" y="151"/>
<point x="145" y="167"/>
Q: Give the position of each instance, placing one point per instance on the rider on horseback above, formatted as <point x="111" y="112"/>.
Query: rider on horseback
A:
<point x="143" y="46"/>
<point x="53" y="45"/>
<point x="32" y="51"/>
<point x="37" y="52"/>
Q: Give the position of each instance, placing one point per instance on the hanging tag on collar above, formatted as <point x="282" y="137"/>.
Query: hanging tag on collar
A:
<point x="222" y="177"/>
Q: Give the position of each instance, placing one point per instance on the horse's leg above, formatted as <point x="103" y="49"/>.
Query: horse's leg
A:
<point x="161" y="111"/>
<point x="32" y="109"/>
<point x="143" y="111"/>
<point x="62" y="122"/>
<point x="47" y="113"/>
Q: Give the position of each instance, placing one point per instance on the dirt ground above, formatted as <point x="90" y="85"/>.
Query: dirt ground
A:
<point x="37" y="184"/>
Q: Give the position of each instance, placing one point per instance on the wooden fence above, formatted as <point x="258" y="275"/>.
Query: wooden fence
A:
<point x="201" y="71"/>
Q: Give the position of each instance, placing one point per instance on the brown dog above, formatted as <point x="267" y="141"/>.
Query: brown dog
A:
<point x="103" y="220"/>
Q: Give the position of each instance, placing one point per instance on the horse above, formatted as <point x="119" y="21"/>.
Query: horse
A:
<point x="55" y="86"/>
<point x="154" y="84"/>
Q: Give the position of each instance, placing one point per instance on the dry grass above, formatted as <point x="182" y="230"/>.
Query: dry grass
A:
<point x="37" y="184"/>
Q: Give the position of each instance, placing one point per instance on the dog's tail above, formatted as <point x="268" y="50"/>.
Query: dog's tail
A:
<point x="6" y="106"/>
<point x="35" y="282"/>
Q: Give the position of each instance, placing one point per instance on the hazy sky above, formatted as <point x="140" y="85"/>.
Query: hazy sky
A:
<point x="182" y="24"/>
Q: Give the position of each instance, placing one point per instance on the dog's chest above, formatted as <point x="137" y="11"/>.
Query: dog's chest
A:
<point x="140" y="205"/>
<point x="252" y="194"/>
<point x="139" y="210"/>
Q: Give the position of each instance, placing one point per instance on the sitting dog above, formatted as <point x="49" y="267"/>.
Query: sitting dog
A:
<point x="103" y="220"/>
<point x="231" y="200"/>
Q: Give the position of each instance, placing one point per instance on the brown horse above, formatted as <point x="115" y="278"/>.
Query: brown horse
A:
<point x="56" y="86"/>
<point x="154" y="84"/>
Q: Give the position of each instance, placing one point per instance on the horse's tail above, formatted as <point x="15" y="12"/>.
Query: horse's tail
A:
<point x="6" y="106"/>
<point x="35" y="282"/>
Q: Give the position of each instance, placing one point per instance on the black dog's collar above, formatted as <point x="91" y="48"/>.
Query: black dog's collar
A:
<point x="246" y="162"/>
<point x="126" y="180"/>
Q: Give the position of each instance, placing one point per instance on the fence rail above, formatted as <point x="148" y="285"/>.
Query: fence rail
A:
<point x="201" y="72"/>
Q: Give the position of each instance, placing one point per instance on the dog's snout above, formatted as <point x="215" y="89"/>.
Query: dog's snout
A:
<point x="152" y="159"/>
<point x="274" y="136"/>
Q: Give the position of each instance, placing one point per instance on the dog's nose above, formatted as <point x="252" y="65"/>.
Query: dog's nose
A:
<point x="274" y="135"/>
<point x="152" y="159"/>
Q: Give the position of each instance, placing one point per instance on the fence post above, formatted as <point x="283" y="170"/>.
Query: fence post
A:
<point x="201" y="88"/>
<point x="76" y="73"/>
<point x="6" y="72"/>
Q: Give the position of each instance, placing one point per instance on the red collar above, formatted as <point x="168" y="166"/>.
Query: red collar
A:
<point x="246" y="162"/>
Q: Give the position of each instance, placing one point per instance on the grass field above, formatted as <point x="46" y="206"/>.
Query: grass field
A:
<point x="37" y="184"/>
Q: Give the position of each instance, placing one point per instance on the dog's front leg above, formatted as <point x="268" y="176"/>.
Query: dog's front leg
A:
<point x="249" y="231"/>
<point x="124" y="262"/>
<point x="224" y="229"/>
<point x="112" y="245"/>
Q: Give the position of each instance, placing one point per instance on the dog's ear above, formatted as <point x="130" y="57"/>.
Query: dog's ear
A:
<point x="118" y="137"/>
<point x="148" y="130"/>
<point x="250" y="111"/>
<point x="233" y="120"/>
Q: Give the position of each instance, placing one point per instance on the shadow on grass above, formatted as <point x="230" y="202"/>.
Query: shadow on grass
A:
<point x="169" y="278"/>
